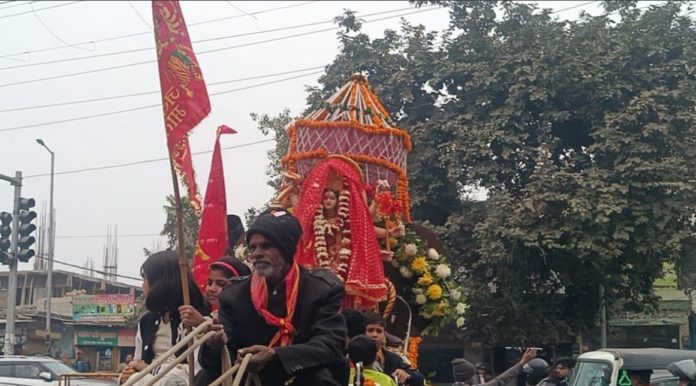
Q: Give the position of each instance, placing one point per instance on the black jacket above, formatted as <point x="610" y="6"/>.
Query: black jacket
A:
<point x="321" y="329"/>
<point x="147" y="328"/>
<point x="393" y="361"/>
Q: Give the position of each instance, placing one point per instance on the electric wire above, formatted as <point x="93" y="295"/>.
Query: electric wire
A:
<point x="150" y="106"/>
<point x="241" y="10"/>
<point x="134" y="163"/>
<point x="217" y="38"/>
<point x="15" y="4"/>
<point x="55" y="35"/>
<point x="118" y="37"/>
<point x="105" y="236"/>
<point x="112" y="97"/>
<point x="132" y="109"/>
<point x="130" y="3"/>
<point x="203" y="52"/>
<point x="89" y="269"/>
<point x="574" y="6"/>
<point x="38" y="10"/>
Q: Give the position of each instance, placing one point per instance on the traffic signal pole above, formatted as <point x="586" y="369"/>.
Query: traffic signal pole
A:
<point x="12" y="284"/>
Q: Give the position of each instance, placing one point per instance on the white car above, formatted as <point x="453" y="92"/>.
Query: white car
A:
<point x="20" y="370"/>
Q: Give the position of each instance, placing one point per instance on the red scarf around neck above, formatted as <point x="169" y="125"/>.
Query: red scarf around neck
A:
<point x="259" y="297"/>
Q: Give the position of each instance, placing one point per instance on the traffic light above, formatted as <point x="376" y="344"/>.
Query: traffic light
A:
<point x="26" y="228"/>
<point x="5" y="234"/>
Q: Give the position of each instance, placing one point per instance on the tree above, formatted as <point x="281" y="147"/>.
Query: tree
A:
<point x="582" y="133"/>
<point x="278" y="127"/>
<point x="191" y="226"/>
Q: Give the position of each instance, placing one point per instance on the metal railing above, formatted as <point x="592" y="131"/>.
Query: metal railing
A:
<point x="66" y="379"/>
<point x="238" y="370"/>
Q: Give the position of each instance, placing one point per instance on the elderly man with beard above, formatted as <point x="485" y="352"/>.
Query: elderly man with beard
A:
<point x="286" y="316"/>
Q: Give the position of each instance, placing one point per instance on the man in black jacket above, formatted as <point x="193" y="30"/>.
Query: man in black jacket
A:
<point x="286" y="316"/>
<point x="389" y="362"/>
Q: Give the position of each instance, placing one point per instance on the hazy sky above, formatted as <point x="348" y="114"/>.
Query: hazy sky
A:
<point x="132" y="197"/>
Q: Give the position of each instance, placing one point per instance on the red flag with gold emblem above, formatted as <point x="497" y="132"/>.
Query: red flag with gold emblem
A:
<point x="184" y="95"/>
<point x="212" y="237"/>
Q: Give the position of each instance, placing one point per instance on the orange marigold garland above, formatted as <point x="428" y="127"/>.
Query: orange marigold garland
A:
<point x="321" y="153"/>
<point x="352" y="124"/>
<point x="413" y="348"/>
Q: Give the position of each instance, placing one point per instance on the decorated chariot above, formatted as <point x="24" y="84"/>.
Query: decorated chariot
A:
<point x="346" y="181"/>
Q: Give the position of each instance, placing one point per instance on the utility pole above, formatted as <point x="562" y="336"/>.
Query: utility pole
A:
<point x="12" y="283"/>
<point x="51" y="246"/>
<point x="603" y="316"/>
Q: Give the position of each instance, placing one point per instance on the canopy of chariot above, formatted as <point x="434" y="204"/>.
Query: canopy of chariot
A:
<point x="346" y="180"/>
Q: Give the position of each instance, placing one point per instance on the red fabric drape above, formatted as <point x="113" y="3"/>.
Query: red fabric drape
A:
<point x="364" y="281"/>
<point x="212" y="237"/>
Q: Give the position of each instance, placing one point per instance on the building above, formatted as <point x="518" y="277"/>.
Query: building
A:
<point x="93" y="314"/>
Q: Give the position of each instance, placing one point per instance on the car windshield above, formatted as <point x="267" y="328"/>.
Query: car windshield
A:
<point x="592" y="374"/>
<point x="58" y="368"/>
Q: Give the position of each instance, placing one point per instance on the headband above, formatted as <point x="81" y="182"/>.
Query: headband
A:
<point x="225" y="265"/>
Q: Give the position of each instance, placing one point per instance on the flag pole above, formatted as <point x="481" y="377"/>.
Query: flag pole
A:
<point x="185" y="102"/>
<point x="183" y="266"/>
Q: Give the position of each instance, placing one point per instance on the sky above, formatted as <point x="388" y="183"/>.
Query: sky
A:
<point x="131" y="197"/>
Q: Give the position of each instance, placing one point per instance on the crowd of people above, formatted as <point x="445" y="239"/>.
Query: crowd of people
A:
<point x="288" y="318"/>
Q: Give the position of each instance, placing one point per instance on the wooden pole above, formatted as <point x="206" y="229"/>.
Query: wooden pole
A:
<point x="183" y="266"/>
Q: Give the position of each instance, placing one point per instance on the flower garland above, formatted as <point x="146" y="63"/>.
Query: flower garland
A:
<point x="322" y="227"/>
<point x="437" y="296"/>
<point x="320" y="153"/>
<point x="351" y="124"/>
<point x="413" y="348"/>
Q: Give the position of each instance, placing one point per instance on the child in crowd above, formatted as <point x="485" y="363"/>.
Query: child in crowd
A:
<point x="388" y="362"/>
<point x="362" y="350"/>
<point x="221" y="272"/>
<point x="161" y="327"/>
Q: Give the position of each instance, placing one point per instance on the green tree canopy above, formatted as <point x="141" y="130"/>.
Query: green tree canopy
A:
<point x="191" y="226"/>
<point x="581" y="132"/>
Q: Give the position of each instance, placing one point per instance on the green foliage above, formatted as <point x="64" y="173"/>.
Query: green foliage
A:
<point x="251" y="214"/>
<point x="426" y="280"/>
<point x="277" y="126"/>
<point x="191" y="226"/>
<point x="582" y="133"/>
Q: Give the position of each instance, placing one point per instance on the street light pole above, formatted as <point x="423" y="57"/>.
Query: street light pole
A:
<point x="51" y="246"/>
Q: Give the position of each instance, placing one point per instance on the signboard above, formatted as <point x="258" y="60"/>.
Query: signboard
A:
<point x="103" y="308"/>
<point x="669" y="312"/>
<point x="96" y="337"/>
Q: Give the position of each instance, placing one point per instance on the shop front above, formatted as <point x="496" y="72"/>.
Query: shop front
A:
<point x="104" y="347"/>
<point x="667" y="326"/>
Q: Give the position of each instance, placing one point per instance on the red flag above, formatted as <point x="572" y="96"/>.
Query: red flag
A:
<point x="212" y="237"/>
<point x="184" y="95"/>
